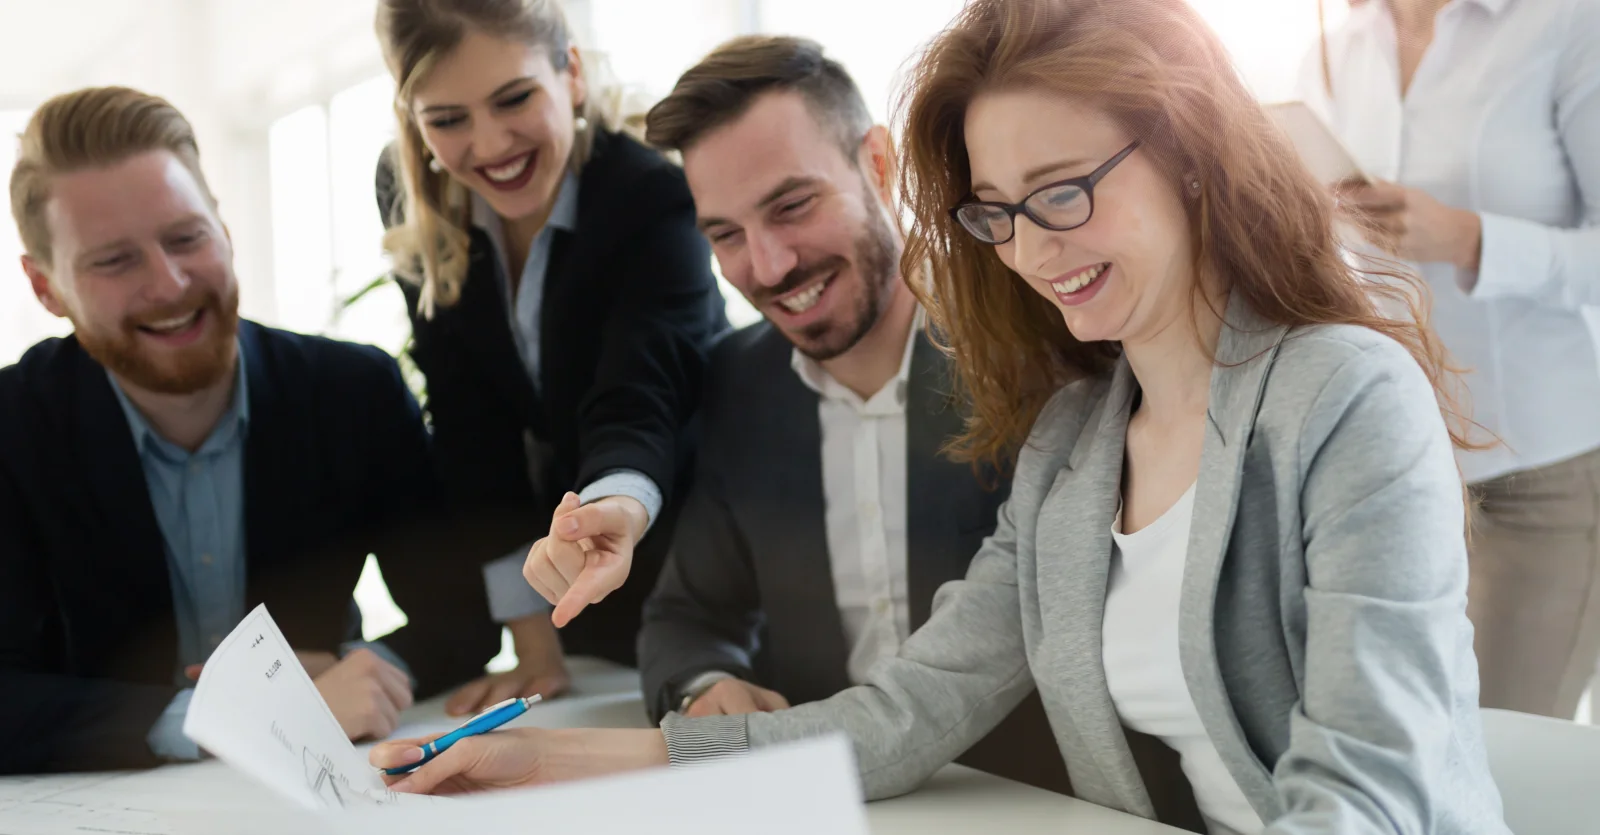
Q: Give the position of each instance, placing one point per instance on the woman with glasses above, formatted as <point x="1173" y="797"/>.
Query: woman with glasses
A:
<point x="561" y="299"/>
<point x="1235" y="526"/>
<point x="1479" y="122"/>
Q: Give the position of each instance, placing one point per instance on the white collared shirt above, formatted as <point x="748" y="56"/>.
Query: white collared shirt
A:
<point x="1502" y="118"/>
<point x="864" y="492"/>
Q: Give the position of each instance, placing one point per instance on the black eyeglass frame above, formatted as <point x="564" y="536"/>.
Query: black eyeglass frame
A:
<point x="1085" y="184"/>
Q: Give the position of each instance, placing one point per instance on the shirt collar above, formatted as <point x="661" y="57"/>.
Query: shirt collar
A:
<point x="563" y="215"/>
<point x="820" y="381"/>
<point x="235" y="421"/>
<point x="1375" y="10"/>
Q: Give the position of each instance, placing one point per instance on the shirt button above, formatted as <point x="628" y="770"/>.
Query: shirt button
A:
<point x="194" y="468"/>
<point x="869" y="511"/>
<point x="882" y="606"/>
<point x="205" y="559"/>
<point x="216" y="640"/>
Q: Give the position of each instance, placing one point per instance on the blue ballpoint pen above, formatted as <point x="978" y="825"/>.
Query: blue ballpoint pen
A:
<point x="484" y="722"/>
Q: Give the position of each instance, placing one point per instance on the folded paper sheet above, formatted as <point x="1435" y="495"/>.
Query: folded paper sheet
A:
<point x="257" y="710"/>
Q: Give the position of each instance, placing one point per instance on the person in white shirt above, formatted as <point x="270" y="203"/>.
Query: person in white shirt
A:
<point x="823" y="516"/>
<point x="1480" y="121"/>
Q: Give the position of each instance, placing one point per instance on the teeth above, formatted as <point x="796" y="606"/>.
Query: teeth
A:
<point x="173" y="324"/>
<point x="509" y="171"/>
<point x="1082" y="280"/>
<point x="803" y="301"/>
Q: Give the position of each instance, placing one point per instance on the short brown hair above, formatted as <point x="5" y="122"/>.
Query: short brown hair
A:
<point x="725" y="83"/>
<point x="91" y="128"/>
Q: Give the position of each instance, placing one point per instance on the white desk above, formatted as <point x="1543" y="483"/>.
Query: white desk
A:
<point x="957" y="800"/>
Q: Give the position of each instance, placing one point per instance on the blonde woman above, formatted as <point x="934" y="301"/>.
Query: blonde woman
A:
<point x="561" y="299"/>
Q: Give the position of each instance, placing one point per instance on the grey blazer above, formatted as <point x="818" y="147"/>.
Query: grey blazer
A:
<point x="1325" y="638"/>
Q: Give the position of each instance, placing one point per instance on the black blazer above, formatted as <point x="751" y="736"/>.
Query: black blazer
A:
<point x="335" y="467"/>
<point x="630" y="305"/>
<point x="748" y="588"/>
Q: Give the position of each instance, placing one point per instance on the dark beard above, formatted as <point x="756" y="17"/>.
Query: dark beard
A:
<point x="877" y="256"/>
<point x="196" y="367"/>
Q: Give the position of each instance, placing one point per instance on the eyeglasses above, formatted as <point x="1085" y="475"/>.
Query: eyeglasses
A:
<point x="1059" y="206"/>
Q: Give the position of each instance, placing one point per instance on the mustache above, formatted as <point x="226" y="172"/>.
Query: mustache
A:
<point x="802" y="274"/>
<point x="205" y="299"/>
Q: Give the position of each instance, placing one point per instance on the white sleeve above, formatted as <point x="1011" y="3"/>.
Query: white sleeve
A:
<point x="1555" y="266"/>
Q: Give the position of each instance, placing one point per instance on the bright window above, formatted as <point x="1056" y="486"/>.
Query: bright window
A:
<point x="875" y="41"/>
<point x="360" y="125"/>
<point x="1269" y="39"/>
<point x="23" y="321"/>
<point x="302" y="240"/>
<point x="327" y="234"/>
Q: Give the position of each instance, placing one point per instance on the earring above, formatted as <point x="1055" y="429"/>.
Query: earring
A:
<point x="435" y="165"/>
<point x="1194" y="186"/>
<point x="581" y="123"/>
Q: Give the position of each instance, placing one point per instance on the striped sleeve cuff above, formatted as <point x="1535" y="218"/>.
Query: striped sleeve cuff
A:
<point x="692" y="742"/>
<point x="510" y="596"/>
<point x="631" y="483"/>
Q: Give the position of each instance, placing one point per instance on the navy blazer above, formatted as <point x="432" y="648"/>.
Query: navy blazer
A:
<point x="630" y="309"/>
<point x="336" y="467"/>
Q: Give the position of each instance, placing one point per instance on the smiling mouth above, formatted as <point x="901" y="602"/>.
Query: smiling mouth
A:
<point x="176" y="324"/>
<point x="806" y="298"/>
<point x="511" y="174"/>
<point x="1080" y="279"/>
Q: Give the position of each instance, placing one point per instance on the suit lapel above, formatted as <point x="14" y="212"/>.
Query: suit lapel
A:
<point x="793" y="530"/>
<point x="1247" y="347"/>
<point x="944" y="498"/>
<point x="270" y="455"/>
<point x="137" y="576"/>
<point x="280" y="468"/>
<point x="485" y="327"/>
<point x="117" y="476"/>
<point x="1073" y="555"/>
<point x="556" y="305"/>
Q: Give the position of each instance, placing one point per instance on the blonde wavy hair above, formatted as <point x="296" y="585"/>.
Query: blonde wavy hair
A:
<point x="428" y="235"/>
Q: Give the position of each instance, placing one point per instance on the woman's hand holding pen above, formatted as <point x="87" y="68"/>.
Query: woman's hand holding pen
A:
<point x="587" y="554"/>
<point x="521" y="757"/>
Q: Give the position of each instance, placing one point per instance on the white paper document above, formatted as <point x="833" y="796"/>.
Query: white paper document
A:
<point x="1319" y="148"/>
<point x="56" y="804"/>
<point x="257" y="710"/>
<point x="800" y="789"/>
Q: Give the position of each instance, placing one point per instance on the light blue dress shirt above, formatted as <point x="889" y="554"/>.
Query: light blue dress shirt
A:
<point x="198" y="499"/>
<point x="510" y="596"/>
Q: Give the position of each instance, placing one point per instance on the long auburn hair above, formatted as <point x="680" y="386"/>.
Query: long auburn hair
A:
<point x="1261" y="224"/>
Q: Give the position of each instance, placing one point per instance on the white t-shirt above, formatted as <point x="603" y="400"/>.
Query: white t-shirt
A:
<point x="1139" y="646"/>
